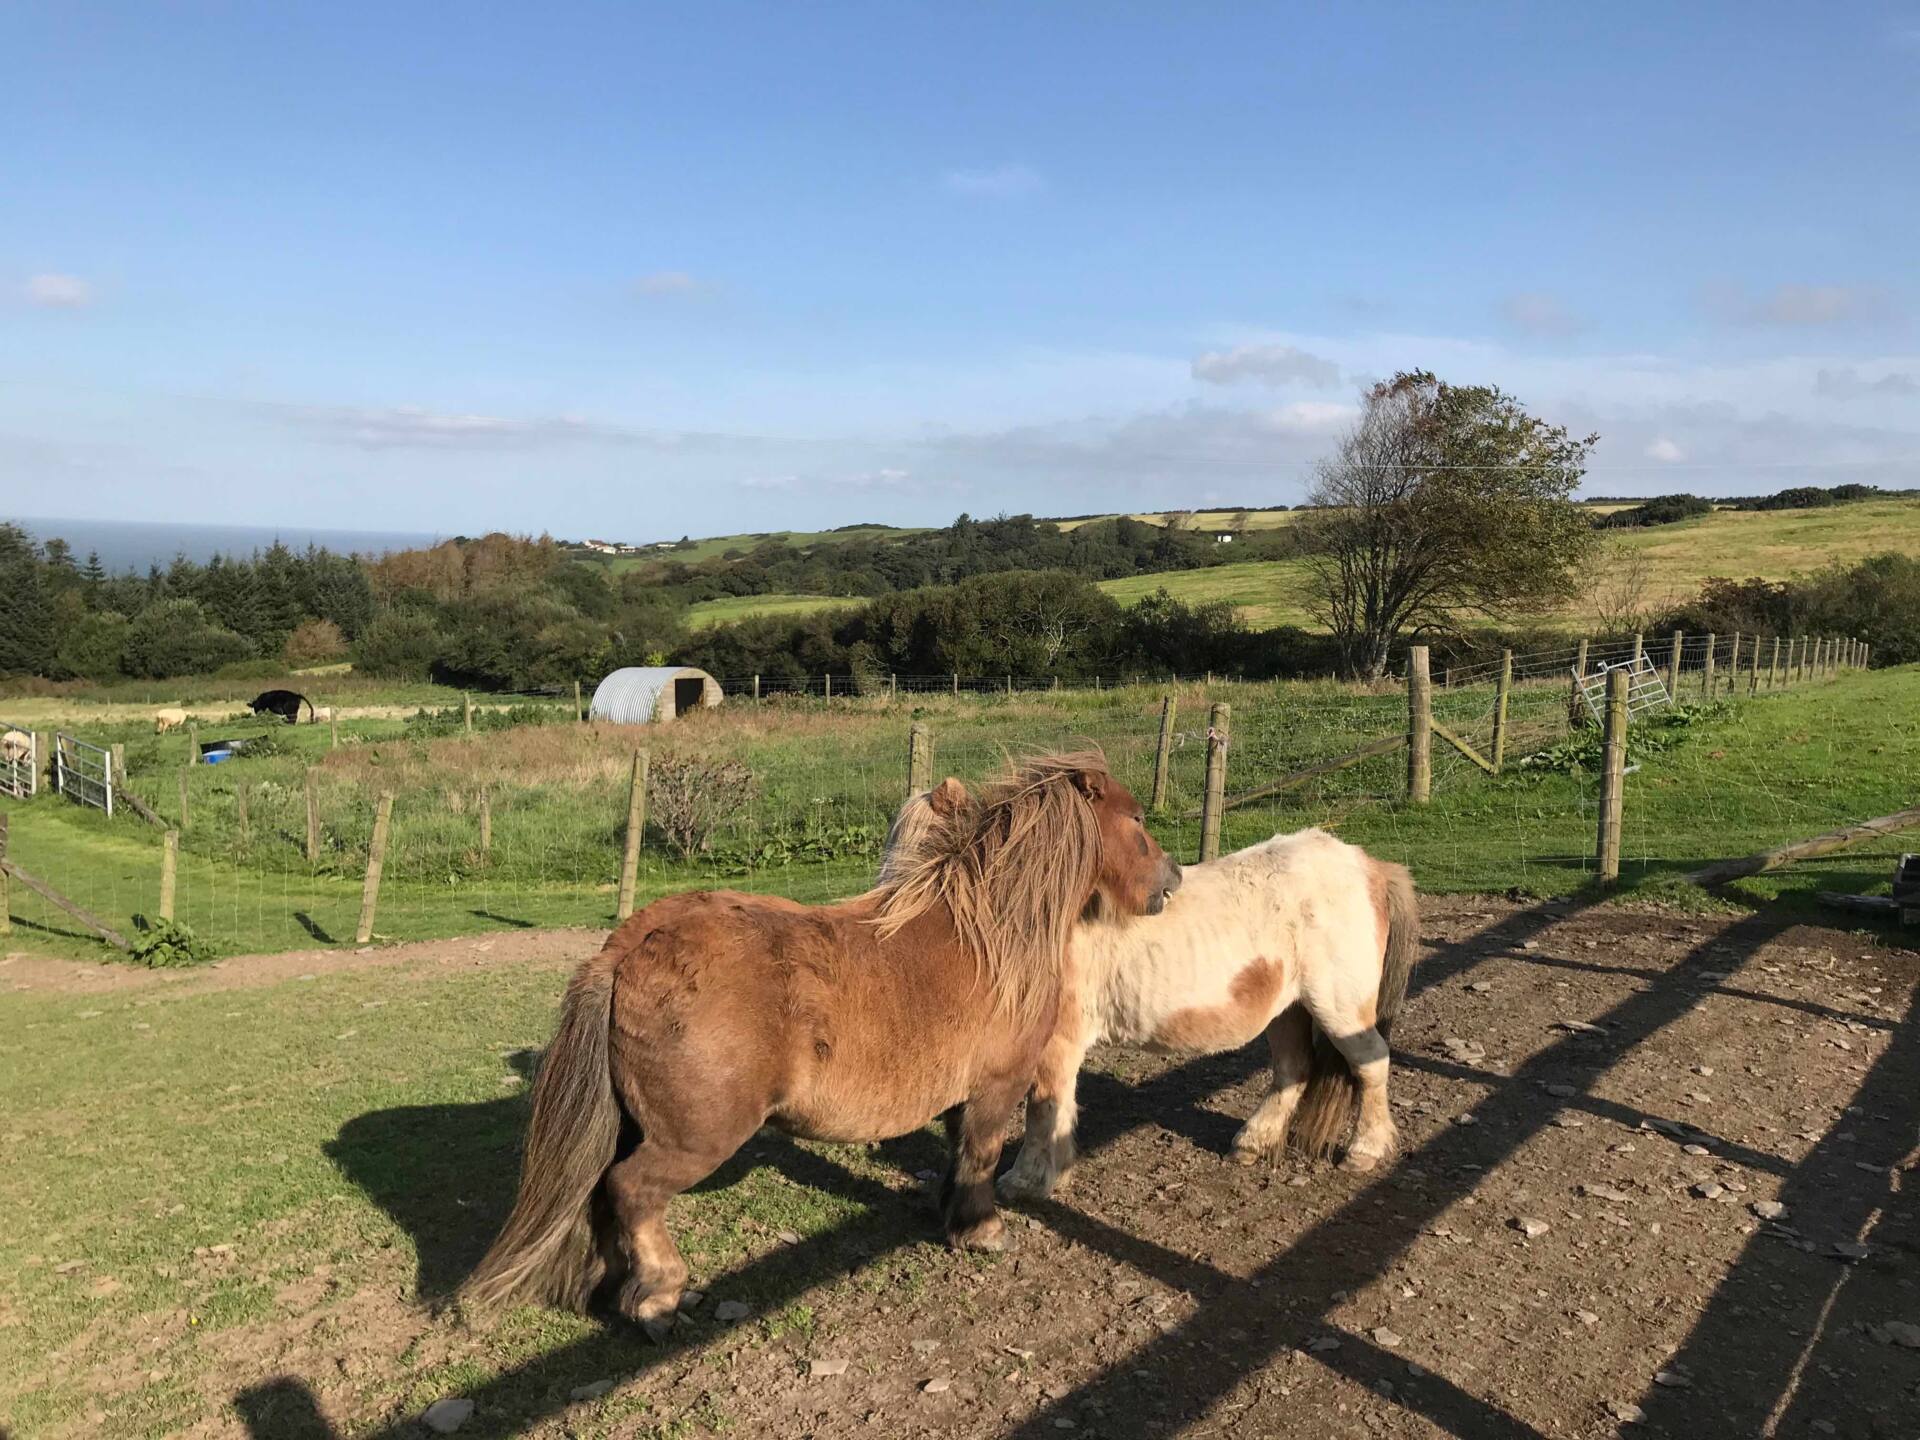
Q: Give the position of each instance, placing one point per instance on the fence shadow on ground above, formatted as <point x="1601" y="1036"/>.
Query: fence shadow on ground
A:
<point x="1177" y="1377"/>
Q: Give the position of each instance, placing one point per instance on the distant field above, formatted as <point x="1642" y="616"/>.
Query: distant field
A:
<point x="1772" y="544"/>
<point x="743" y="607"/>
<point x="1267" y="592"/>
<point x="719" y="544"/>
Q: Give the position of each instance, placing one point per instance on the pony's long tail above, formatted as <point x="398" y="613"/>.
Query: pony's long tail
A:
<point x="546" y="1250"/>
<point x="1333" y="1090"/>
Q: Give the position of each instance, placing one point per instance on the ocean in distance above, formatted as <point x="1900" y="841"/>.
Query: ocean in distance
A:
<point x="135" y="545"/>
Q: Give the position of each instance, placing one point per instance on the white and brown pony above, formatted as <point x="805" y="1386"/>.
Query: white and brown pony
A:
<point x="1303" y="937"/>
<point x="710" y="1014"/>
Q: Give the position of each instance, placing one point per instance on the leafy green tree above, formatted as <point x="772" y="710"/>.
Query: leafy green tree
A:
<point x="26" y="612"/>
<point x="94" y="648"/>
<point x="177" y="637"/>
<point x="1444" y="502"/>
<point x="399" y="645"/>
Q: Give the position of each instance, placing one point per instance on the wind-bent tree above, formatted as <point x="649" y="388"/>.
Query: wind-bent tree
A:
<point x="1443" y="502"/>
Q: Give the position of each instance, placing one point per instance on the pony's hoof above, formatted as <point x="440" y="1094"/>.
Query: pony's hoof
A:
<point x="1251" y="1155"/>
<point x="989" y="1236"/>
<point x="1015" y="1186"/>
<point x="1361" y="1161"/>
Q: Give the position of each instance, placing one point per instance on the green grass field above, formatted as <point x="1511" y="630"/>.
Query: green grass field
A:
<point x="746" y="607"/>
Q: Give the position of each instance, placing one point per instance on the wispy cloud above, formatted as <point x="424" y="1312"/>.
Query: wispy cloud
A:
<point x="1665" y="451"/>
<point x="411" y="427"/>
<point x="886" y="477"/>
<point x="1004" y="182"/>
<point x="1798" y="306"/>
<point x="58" y="292"/>
<point x="1847" y="383"/>
<point x="669" y="282"/>
<point x="1534" y="312"/>
<point x="1268" y="364"/>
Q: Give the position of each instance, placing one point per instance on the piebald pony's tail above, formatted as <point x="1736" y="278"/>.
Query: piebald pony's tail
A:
<point x="1333" y="1090"/>
<point x="546" y="1250"/>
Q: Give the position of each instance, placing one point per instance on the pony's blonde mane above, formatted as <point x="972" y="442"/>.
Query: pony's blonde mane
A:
<point x="1013" y="869"/>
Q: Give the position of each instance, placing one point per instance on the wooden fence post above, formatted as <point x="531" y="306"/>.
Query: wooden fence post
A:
<point x="1706" y="676"/>
<point x="1613" y="776"/>
<point x="756" y="687"/>
<point x="1773" y="665"/>
<point x="1639" y="646"/>
<point x="240" y="808"/>
<point x="185" y="775"/>
<point x="313" y="816"/>
<point x="1214" y="798"/>
<point x="169" y="864"/>
<point x="1420" y="724"/>
<point x="376" y="861"/>
<point x="1805" y="671"/>
<point x="1163" y="752"/>
<point x="333" y="727"/>
<point x="826" y="681"/>
<point x="579" y="715"/>
<point x="1733" y="667"/>
<point x="1500" y="696"/>
<point x="636" y="824"/>
<point x="193" y="744"/>
<point x="893" y="687"/>
<point x="919" y="759"/>
<point x="1673" y="664"/>
<point x="6" y="882"/>
<point x="486" y="823"/>
<point x="119" y="753"/>
<point x="466" y="707"/>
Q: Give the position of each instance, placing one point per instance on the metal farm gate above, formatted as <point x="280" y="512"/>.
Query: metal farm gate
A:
<point x="83" y="773"/>
<point x="19" y="761"/>
<point x="1645" y="689"/>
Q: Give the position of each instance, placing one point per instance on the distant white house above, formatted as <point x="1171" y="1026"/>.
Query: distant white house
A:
<point x="1223" y="539"/>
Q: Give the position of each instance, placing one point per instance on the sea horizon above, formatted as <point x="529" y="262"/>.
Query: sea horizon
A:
<point x="136" y="545"/>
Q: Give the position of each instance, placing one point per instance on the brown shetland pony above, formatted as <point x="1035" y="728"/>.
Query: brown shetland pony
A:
<point x="710" y="1014"/>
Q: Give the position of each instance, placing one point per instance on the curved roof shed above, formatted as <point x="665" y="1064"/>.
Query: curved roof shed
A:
<point x="650" y="694"/>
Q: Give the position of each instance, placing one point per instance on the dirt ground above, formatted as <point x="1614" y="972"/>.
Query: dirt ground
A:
<point x="1658" y="1176"/>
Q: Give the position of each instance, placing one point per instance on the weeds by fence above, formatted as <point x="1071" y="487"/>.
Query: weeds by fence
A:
<point x="527" y="824"/>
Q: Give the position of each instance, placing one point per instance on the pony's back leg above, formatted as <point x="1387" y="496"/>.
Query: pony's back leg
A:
<point x="638" y="1189"/>
<point x="1290" y="1044"/>
<point x="1366" y="1055"/>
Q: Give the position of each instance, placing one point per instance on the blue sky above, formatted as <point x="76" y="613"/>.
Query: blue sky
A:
<point x="640" y="271"/>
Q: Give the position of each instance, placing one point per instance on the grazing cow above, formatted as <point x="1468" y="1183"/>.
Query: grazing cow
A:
<point x="284" y="703"/>
<point x="169" y="719"/>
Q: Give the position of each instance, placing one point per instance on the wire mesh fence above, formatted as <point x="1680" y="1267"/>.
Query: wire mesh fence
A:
<point x="521" y="823"/>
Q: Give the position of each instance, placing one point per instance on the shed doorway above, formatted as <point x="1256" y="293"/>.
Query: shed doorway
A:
<point x="687" y="695"/>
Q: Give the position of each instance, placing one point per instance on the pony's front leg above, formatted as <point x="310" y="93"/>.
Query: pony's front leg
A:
<point x="1374" y="1137"/>
<point x="975" y="1130"/>
<point x="1290" y="1045"/>
<point x="1046" y="1149"/>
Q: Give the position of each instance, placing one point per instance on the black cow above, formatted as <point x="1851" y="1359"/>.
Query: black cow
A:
<point x="284" y="703"/>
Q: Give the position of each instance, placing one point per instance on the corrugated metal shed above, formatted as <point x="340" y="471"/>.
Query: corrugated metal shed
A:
<point x="652" y="694"/>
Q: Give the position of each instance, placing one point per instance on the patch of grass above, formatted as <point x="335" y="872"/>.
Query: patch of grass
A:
<point x="746" y="607"/>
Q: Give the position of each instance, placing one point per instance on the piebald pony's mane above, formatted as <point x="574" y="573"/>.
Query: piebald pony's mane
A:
<point x="1013" y="868"/>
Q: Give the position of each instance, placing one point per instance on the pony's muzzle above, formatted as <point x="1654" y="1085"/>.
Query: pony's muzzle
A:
<point x="1170" y="878"/>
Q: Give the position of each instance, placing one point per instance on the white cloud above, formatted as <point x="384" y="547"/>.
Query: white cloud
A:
<point x="1311" y="417"/>
<point x="1798" y="306"/>
<point x="886" y="477"/>
<point x="1005" y="182"/>
<point x="58" y="292"/>
<point x="1269" y="364"/>
<point x="1535" y="312"/>
<point x="668" y="282"/>
<point x="1665" y="451"/>
<point x="410" y="427"/>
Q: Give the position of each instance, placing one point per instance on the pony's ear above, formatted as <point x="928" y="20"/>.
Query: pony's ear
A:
<point x="1091" y="783"/>
<point x="949" y="797"/>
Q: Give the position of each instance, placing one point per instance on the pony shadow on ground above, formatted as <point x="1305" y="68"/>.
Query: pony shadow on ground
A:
<point x="446" y="1175"/>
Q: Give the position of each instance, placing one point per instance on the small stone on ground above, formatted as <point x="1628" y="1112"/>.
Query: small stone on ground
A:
<point x="443" y="1417"/>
